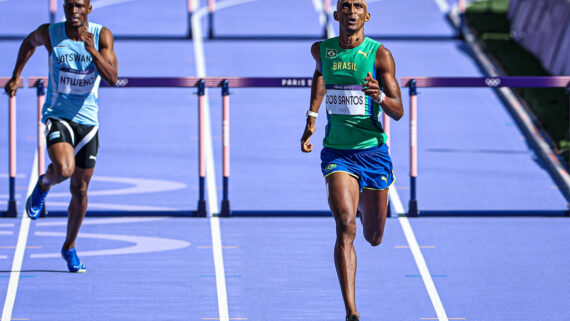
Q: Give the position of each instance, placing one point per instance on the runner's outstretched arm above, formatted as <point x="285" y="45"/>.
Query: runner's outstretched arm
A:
<point x="318" y="92"/>
<point x="38" y="37"/>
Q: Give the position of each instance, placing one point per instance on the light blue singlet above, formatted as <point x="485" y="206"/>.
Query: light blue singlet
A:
<point x="73" y="78"/>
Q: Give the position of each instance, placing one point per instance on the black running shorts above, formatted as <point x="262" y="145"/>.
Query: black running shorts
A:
<point x="84" y="138"/>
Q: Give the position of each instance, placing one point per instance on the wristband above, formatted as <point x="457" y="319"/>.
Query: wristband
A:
<point x="312" y="114"/>
<point x="381" y="98"/>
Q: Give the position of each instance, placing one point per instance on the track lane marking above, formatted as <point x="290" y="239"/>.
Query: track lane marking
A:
<point x="20" y="249"/>
<point x="418" y="256"/>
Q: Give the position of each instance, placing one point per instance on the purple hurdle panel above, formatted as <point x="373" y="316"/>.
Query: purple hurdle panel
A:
<point x="491" y="82"/>
<point x="12" y="206"/>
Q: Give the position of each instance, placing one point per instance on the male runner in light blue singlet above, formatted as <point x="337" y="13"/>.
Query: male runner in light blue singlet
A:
<point x="356" y="75"/>
<point x="80" y="53"/>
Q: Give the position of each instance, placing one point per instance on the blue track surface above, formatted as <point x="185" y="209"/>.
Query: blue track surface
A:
<point x="472" y="157"/>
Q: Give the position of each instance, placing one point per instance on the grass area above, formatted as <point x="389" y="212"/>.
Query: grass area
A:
<point x="550" y="105"/>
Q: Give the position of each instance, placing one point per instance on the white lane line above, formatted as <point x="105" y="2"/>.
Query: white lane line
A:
<point x="20" y="249"/>
<point x="7" y="224"/>
<point x="219" y="267"/>
<point x="210" y="173"/>
<point x="3" y="257"/>
<point x="418" y="256"/>
<point x="6" y="232"/>
<point x="443" y="6"/>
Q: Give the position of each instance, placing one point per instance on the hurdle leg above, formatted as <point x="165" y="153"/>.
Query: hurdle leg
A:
<point x="52" y="10"/>
<point x="413" y="204"/>
<point x="326" y="9"/>
<point x="226" y="147"/>
<point x="190" y="7"/>
<point x="461" y="6"/>
<point x="12" y="205"/>
<point x="41" y="137"/>
<point x="211" y="8"/>
<point x="201" y="212"/>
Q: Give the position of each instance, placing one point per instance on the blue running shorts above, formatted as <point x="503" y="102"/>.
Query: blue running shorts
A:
<point x="372" y="167"/>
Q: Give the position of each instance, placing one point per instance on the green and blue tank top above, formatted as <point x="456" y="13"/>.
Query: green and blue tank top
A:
<point x="73" y="78"/>
<point x="353" y="118"/>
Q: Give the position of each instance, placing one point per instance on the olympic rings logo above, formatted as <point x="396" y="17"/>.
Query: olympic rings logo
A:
<point x="121" y="82"/>
<point x="493" y="82"/>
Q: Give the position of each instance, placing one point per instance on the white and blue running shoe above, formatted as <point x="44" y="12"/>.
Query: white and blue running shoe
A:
<point x="35" y="202"/>
<point x="73" y="263"/>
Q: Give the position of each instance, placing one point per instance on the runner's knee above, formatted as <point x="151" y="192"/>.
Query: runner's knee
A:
<point x="63" y="172"/>
<point x="346" y="229"/>
<point x="79" y="190"/>
<point x="374" y="237"/>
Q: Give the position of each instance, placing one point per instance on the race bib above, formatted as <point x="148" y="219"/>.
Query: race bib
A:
<point x="345" y="100"/>
<point x="76" y="82"/>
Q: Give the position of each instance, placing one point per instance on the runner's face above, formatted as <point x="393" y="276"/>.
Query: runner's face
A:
<point x="352" y="14"/>
<point x="76" y="12"/>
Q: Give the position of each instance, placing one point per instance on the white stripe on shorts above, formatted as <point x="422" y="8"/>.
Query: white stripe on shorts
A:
<point x="86" y="139"/>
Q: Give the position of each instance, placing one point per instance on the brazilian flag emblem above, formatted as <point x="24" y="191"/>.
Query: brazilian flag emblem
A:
<point x="331" y="53"/>
<point x="330" y="167"/>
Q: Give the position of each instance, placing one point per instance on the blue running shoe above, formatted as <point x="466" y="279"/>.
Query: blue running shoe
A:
<point x="353" y="317"/>
<point x="73" y="263"/>
<point x="35" y="202"/>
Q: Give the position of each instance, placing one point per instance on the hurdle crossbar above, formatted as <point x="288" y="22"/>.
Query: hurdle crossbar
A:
<point x="12" y="210"/>
<point x="489" y="82"/>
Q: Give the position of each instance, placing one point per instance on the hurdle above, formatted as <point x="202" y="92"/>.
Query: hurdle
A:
<point x="12" y="210"/>
<point x="190" y="9"/>
<point x="534" y="135"/>
<point x="462" y="6"/>
<point x="200" y="84"/>
<point x="326" y="10"/>
<point x="52" y="10"/>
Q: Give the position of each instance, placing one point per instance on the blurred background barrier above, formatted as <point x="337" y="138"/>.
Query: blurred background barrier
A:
<point x="543" y="28"/>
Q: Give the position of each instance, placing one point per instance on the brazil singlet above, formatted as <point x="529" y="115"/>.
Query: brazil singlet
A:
<point x="353" y="118"/>
<point x="73" y="78"/>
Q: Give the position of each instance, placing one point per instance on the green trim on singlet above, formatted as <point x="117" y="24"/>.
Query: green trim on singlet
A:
<point x="349" y="67"/>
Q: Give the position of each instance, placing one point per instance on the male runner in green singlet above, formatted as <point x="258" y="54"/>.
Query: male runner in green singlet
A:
<point x="356" y="77"/>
